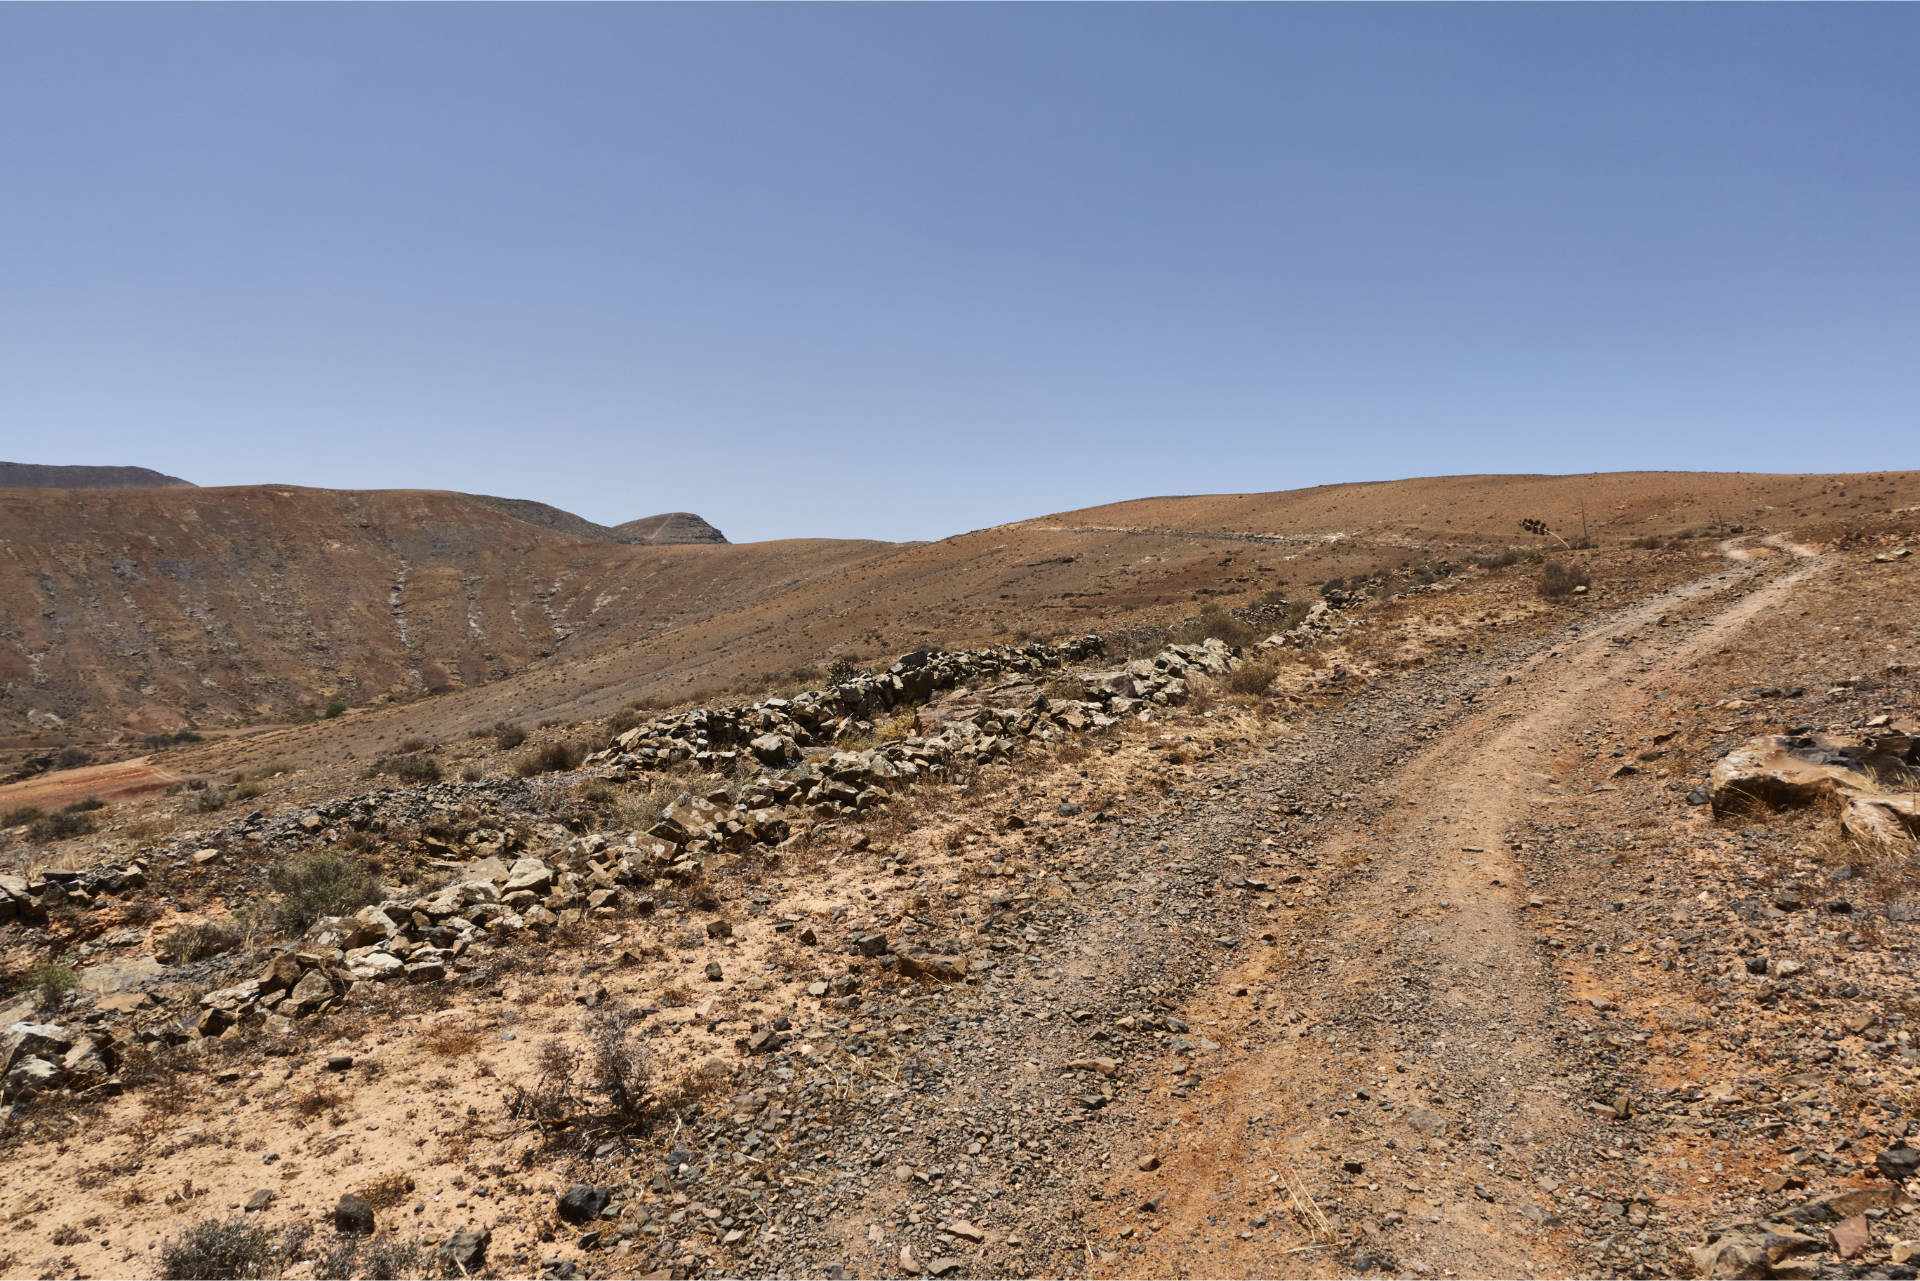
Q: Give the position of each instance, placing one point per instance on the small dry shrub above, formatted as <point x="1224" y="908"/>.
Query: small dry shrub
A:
<point x="1558" y="579"/>
<point x="1252" y="678"/>
<point x="196" y="942"/>
<point x="676" y="994"/>
<point x="319" y="1100"/>
<point x="388" y="1190"/>
<point x="216" y="1251"/>
<point x="451" y="1040"/>
<point x="1213" y="624"/>
<point x="409" y="767"/>
<point x="554" y="758"/>
<point x="379" y="1259"/>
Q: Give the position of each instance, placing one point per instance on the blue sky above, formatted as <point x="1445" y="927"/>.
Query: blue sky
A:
<point x="906" y="271"/>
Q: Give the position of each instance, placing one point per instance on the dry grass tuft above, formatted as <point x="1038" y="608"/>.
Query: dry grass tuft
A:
<point x="451" y="1040"/>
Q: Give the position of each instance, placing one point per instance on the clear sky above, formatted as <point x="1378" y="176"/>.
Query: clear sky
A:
<point x="906" y="271"/>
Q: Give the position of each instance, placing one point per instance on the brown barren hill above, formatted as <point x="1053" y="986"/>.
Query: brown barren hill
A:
<point x="144" y="610"/>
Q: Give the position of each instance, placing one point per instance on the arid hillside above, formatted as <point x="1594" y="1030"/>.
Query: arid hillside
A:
<point x="147" y="610"/>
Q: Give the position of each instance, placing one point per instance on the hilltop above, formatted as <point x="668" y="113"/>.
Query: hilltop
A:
<point x="43" y="476"/>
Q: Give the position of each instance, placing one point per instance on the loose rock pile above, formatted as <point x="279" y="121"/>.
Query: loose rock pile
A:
<point x="789" y="776"/>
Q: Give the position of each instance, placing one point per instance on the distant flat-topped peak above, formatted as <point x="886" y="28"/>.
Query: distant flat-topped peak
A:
<point x="671" y="527"/>
<point x="43" y="476"/>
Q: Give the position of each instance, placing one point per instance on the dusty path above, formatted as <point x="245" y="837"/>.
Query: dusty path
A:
<point x="1395" y="1052"/>
<point x="134" y="777"/>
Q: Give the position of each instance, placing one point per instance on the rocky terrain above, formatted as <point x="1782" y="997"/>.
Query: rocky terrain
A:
<point x="1497" y="918"/>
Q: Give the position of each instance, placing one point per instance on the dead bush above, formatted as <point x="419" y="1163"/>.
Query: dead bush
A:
<point x="554" y="758"/>
<point x="451" y="1040"/>
<point x="196" y="942"/>
<point x="1558" y="579"/>
<point x="1252" y="678"/>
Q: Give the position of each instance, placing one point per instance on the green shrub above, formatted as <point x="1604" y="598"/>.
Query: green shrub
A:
<point x="551" y="759"/>
<point x="325" y="884"/>
<point x="334" y="709"/>
<point x="51" y="980"/>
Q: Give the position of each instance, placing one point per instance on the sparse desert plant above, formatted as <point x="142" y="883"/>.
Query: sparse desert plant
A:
<point x="61" y="825"/>
<point x="415" y="744"/>
<point x="472" y="774"/>
<point x="71" y="757"/>
<point x="381" y="1259"/>
<point x="1539" y="529"/>
<point x="409" y="767"/>
<point x="22" y="816"/>
<point x="207" y="800"/>
<point x="1213" y="624"/>
<point x="598" y="793"/>
<point x="507" y="736"/>
<point x="217" y="1251"/>
<point x="333" y="709"/>
<point x="451" y="1040"/>
<point x="157" y="741"/>
<point x="842" y="670"/>
<point x="50" y="981"/>
<point x="1252" y="678"/>
<point x="622" y="721"/>
<point x="621" y="1072"/>
<point x="1558" y="579"/>
<point x="328" y="883"/>
<point x="551" y="759"/>
<point x="188" y="943"/>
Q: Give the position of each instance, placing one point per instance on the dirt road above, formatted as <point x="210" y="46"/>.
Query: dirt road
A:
<point x="1395" y="1050"/>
